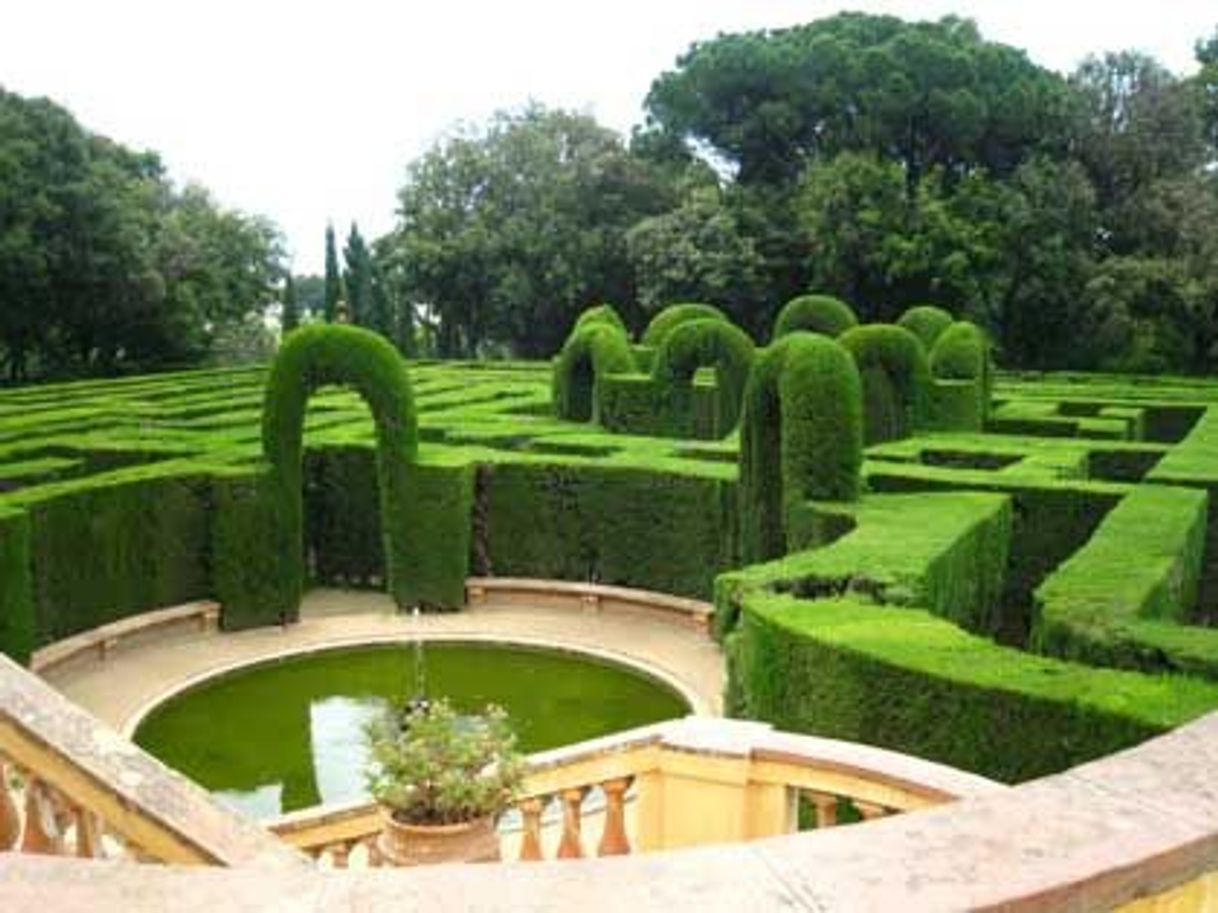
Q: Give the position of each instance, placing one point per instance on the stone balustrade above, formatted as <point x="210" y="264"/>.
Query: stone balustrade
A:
<point x="71" y="785"/>
<point x="687" y="782"/>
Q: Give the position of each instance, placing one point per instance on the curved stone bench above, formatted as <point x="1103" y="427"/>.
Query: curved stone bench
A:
<point x="105" y="638"/>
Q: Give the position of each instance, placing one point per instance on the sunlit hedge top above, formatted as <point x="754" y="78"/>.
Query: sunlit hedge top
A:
<point x="674" y="315"/>
<point x="926" y="321"/>
<point x="815" y="313"/>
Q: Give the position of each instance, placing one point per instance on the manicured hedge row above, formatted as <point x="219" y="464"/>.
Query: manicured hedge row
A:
<point x="801" y="437"/>
<point x="616" y="525"/>
<point x="1139" y="570"/>
<point x="314" y="356"/>
<point x="822" y="314"/>
<point x="944" y="551"/>
<point x="18" y="621"/>
<point x="962" y="352"/>
<point x="902" y="678"/>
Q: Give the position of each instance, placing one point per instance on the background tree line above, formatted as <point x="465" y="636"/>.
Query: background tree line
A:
<point x="887" y="162"/>
<point x="106" y="267"/>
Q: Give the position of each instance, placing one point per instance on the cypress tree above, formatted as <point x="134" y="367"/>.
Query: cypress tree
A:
<point x="334" y="281"/>
<point x="290" y="318"/>
<point x="358" y="278"/>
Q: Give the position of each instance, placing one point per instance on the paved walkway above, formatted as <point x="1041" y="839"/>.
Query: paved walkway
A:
<point x="145" y="668"/>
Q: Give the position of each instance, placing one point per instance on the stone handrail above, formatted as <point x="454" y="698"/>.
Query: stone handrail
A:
<point x="591" y="597"/>
<point x="695" y="781"/>
<point x="84" y="789"/>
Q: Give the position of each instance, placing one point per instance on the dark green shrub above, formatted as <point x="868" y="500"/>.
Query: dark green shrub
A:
<point x="927" y="322"/>
<point x="801" y="436"/>
<point x="313" y="357"/>
<point x="18" y="623"/>
<point x="896" y="380"/>
<point x="588" y="356"/>
<point x="673" y="316"/>
<point x="602" y="313"/>
<point x="697" y="344"/>
<point x="822" y="314"/>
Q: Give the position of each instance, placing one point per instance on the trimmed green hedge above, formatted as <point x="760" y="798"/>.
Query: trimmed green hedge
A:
<point x="18" y="621"/>
<point x="822" y="314"/>
<point x="616" y="525"/>
<point x="962" y="352"/>
<point x="587" y="357"/>
<point x="904" y="679"/>
<point x="801" y="437"/>
<point x="673" y="316"/>
<point x="315" y="356"/>
<point x="696" y="344"/>
<point x="927" y="322"/>
<point x="896" y="380"/>
<point x="1126" y="598"/>
<point x="103" y="551"/>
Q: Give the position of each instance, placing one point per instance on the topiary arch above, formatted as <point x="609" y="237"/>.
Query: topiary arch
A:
<point x="801" y="437"/>
<point x="926" y="322"/>
<point x="673" y="316"/>
<point x="315" y="356"/>
<point x="602" y="313"/>
<point x="961" y="354"/>
<point x="816" y="314"/>
<point x="696" y="344"/>
<point x="896" y="380"/>
<point x="594" y="350"/>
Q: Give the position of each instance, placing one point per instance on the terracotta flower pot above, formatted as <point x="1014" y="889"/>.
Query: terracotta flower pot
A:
<point x="424" y="844"/>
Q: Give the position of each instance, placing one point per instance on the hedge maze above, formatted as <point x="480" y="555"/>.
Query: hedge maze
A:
<point x="1007" y="573"/>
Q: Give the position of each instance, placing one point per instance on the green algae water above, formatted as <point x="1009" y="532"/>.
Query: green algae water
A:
<point x="288" y="734"/>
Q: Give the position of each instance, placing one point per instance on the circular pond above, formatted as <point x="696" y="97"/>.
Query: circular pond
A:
<point x="288" y="734"/>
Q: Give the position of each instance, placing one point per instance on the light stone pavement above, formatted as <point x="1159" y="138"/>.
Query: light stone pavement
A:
<point x="147" y="667"/>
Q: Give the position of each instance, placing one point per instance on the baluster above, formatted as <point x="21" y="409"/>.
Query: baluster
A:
<point x="869" y="810"/>
<point x="88" y="834"/>
<point x="614" y="841"/>
<point x="530" y="830"/>
<point x="10" y="817"/>
<point x="42" y="833"/>
<point x="340" y="853"/>
<point x="826" y="809"/>
<point x="375" y="860"/>
<point x="571" y="846"/>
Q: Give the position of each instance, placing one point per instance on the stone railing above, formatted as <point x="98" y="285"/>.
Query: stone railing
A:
<point x="71" y="786"/>
<point x="689" y="782"/>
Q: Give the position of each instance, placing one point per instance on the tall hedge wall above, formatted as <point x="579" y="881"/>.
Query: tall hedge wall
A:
<point x="962" y="353"/>
<point x="18" y="621"/>
<point x="801" y="437"/>
<point x="616" y="525"/>
<point x="312" y="357"/>
<point x="822" y="314"/>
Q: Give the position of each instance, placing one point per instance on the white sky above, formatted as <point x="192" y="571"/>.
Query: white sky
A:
<point x="305" y="111"/>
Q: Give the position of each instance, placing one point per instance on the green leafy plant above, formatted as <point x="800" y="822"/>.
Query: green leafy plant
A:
<point x="433" y="765"/>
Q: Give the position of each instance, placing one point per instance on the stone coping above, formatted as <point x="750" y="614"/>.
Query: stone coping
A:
<point x="1096" y="837"/>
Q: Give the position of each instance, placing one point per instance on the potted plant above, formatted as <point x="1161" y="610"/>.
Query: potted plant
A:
<point x="442" y="778"/>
